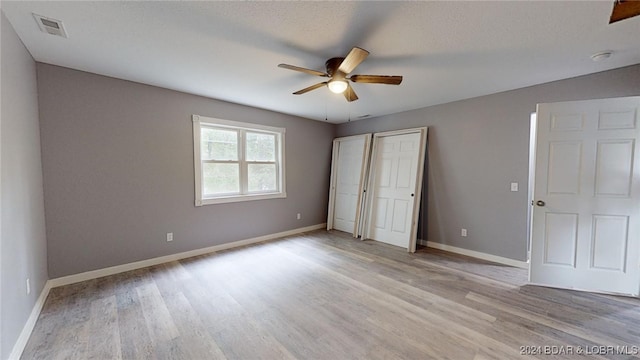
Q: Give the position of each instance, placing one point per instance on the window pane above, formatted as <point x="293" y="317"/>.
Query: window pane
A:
<point x="261" y="147"/>
<point x="221" y="178"/>
<point x="216" y="144"/>
<point x="262" y="177"/>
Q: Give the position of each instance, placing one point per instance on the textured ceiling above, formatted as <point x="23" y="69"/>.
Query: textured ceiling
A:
<point x="446" y="51"/>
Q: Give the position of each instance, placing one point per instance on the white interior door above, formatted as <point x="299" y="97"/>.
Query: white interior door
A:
<point x="586" y="217"/>
<point x="395" y="182"/>
<point x="348" y="170"/>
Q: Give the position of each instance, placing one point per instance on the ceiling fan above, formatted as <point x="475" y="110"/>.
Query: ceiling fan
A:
<point x="338" y="69"/>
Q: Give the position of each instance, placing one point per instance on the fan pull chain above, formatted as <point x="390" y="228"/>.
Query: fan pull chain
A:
<point x="325" y="108"/>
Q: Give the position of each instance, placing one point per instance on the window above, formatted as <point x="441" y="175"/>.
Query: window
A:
<point x="237" y="161"/>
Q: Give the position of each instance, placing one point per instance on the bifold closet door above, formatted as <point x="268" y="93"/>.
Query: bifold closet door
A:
<point x="348" y="176"/>
<point x="394" y="189"/>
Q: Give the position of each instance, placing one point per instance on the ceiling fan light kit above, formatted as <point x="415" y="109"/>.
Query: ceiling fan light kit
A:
<point x="337" y="86"/>
<point x="338" y="69"/>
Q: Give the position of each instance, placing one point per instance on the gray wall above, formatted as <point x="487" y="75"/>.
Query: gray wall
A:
<point x="477" y="147"/>
<point x="118" y="172"/>
<point x="23" y="245"/>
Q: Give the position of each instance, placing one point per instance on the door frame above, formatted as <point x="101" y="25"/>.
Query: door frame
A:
<point x="533" y="132"/>
<point x="364" y="172"/>
<point x="423" y="131"/>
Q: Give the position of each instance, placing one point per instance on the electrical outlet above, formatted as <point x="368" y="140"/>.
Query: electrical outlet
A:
<point x="298" y="216"/>
<point x="169" y="237"/>
<point x="463" y="232"/>
<point x="28" y="286"/>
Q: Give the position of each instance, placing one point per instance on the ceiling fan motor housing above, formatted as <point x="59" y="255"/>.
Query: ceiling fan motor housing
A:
<point x="332" y="66"/>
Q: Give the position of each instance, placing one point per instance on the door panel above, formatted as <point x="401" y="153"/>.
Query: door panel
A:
<point x="381" y="207"/>
<point x="586" y="224"/>
<point x="385" y="173"/>
<point x="405" y="173"/>
<point x="400" y="212"/>
<point x="621" y="119"/>
<point x="350" y="160"/>
<point x="395" y="182"/>
<point x="609" y="245"/>
<point x="560" y="239"/>
<point x="614" y="165"/>
<point x="566" y="122"/>
<point x="565" y="158"/>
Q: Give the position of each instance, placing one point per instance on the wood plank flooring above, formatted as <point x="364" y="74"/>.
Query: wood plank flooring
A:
<point x="325" y="295"/>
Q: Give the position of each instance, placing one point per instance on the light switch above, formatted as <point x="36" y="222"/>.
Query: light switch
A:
<point x="514" y="186"/>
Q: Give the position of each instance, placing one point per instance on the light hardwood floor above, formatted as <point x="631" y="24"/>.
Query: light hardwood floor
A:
<point x="325" y="295"/>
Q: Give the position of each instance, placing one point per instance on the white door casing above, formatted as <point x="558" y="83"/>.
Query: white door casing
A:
<point x="350" y="162"/>
<point x="395" y="184"/>
<point x="586" y="217"/>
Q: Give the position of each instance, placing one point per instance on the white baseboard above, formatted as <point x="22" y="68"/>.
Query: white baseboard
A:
<point x="475" y="254"/>
<point x="20" y="344"/>
<point x="94" y="274"/>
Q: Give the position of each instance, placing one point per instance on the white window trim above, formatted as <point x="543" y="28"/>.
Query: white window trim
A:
<point x="198" y="121"/>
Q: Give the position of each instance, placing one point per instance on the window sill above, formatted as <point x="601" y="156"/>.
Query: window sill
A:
<point x="240" y="198"/>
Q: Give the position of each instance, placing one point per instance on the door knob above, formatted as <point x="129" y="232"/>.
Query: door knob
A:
<point x="540" y="203"/>
<point x="411" y="195"/>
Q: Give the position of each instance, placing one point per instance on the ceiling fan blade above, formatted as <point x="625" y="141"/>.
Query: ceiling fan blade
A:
<point x="624" y="9"/>
<point x="377" y="79"/>
<point x="349" y="94"/>
<point x="308" y="71"/>
<point x="312" y="87"/>
<point x="355" y="57"/>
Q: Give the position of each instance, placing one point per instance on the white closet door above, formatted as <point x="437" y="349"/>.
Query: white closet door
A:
<point x="586" y="218"/>
<point x="348" y="171"/>
<point x="394" y="188"/>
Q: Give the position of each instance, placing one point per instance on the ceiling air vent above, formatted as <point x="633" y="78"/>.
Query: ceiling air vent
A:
<point x="50" y="26"/>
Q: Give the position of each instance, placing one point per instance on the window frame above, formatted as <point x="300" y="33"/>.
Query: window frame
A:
<point x="242" y="128"/>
